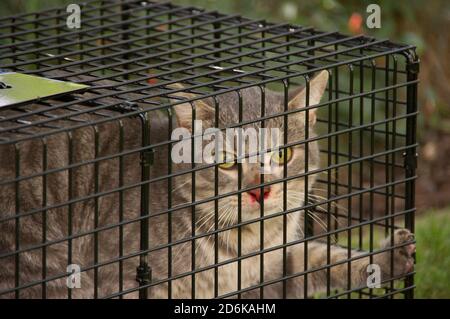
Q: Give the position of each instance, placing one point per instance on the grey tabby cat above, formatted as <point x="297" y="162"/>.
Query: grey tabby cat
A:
<point x="82" y="216"/>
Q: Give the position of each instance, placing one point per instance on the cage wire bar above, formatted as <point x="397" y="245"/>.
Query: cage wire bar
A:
<point x="132" y="54"/>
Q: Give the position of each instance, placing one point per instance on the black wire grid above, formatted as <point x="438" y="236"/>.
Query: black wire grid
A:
<point x="130" y="52"/>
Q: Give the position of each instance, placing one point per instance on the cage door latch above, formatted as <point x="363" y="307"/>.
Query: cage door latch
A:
<point x="143" y="274"/>
<point x="410" y="160"/>
<point x="147" y="158"/>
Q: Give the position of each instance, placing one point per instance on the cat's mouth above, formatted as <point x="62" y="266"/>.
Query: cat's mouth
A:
<point x="270" y="201"/>
<point x="254" y="204"/>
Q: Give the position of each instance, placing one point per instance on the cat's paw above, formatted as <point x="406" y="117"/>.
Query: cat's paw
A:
<point x="404" y="254"/>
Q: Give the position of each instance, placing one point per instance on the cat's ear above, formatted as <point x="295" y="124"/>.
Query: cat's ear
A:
<point x="317" y="86"/>
<point x="183" y="111"/>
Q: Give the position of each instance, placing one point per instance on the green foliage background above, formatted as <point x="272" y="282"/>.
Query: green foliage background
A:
<point x="422" y="23"/>
<point x="418" y="22"/>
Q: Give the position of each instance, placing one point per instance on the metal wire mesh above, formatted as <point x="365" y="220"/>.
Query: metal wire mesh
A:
<point x="131" y="54"/>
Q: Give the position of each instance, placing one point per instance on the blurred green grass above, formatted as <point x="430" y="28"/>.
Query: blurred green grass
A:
<point x="432" y="231"/>
<point x="432" y="278"/>
<point x="433" y="254"/>
<point x="403" y="21"/>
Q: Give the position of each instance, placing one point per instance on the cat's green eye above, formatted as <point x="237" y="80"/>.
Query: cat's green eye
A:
<point x="282" y="156"/>
<point x="226" y="165"/>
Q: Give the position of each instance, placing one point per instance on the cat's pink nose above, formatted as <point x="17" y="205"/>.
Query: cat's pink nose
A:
<point x="255" y="194"/>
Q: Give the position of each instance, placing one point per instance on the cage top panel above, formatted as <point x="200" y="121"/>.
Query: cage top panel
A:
<point x="130" y="53"/>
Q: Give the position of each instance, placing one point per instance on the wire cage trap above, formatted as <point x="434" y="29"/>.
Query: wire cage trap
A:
<point x="93" y="205"/>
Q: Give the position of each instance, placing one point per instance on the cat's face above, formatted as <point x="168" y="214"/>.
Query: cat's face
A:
<point x="229" y="174"/>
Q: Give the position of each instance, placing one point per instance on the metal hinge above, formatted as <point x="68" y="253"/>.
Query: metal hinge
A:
<point x="127" y="106"/>
<point x="4" y="86"/>
<point x="413" y="67"/>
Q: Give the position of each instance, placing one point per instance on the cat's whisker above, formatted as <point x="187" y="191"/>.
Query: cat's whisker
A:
<point x="300" y="196"/>
<point x="317" y="220"/>
<point x="205" y="240"/>
<point x="333" y="238"/>
<point x="221" y="220"/>
<point x="179" y="250"/>
<point x="228" y="241"/>
<point x="296" y="221"/>
<point x="226" y="221"/>
<point x="210" y="214"/>
<point x="202" y="218"/>
<point x="221" y="217"/>
<point x="333" y="204"/>
<point x="318" y="207"/>
<point x="230" y="218"/>
<point x="180" y="186"/>
<point x="205" y="215"/>
<point x="222" y="211"/>
<point x="328" y="173"/>
<point x="226" y="215"/>
<point x="319" y="189"/>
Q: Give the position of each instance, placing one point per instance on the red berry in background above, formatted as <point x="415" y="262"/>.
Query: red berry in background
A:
<point x="355" y="23"/>
<point x="152" y="80"/>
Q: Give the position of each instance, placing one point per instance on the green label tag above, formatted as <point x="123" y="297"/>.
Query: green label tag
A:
<point x="16" y="88"/>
